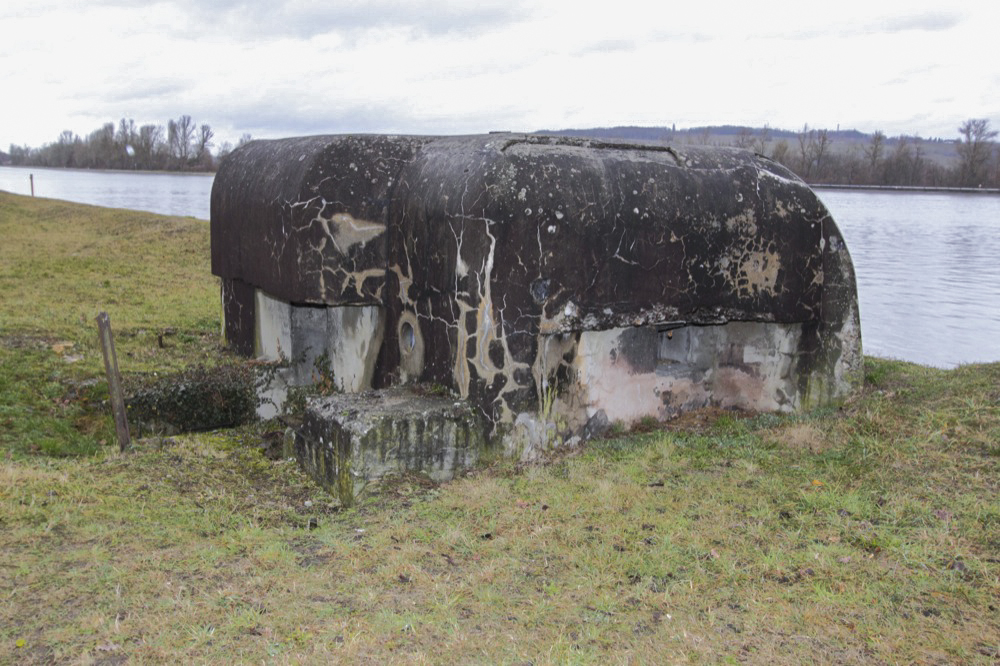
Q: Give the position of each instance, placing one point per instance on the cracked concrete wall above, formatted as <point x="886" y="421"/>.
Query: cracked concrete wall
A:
<point x="484" y="252"/>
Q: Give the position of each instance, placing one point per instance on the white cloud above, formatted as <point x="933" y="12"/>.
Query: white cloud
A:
<point x="278" y="68"/>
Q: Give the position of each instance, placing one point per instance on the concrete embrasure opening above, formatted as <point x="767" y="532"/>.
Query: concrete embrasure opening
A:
<point x="407" y="337"/>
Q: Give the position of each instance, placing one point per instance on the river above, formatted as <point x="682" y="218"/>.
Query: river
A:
<point x="928" y="271"/>
<point x="185" y="194"/>
<point x="927" y="264"/>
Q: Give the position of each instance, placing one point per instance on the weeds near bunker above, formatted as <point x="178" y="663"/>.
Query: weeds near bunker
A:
<point x="322" y="384"/>
<point x="323" y="380"/>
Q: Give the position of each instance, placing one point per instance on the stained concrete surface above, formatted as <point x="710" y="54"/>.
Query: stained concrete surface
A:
<point x="544" y="280"/>
<point x="351" y="439"/>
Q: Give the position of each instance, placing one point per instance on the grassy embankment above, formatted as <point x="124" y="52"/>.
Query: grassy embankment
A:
<point x="869" y="534"/>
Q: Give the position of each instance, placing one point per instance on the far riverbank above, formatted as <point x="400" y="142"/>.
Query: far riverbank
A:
<point x="905" y="188"/>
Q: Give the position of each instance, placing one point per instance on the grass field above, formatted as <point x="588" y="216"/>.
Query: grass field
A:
<point x="863" y="535"/>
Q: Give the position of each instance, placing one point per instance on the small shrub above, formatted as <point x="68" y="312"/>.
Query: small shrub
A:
<point x="322" y="376"/>
<point x="199" y="398"/>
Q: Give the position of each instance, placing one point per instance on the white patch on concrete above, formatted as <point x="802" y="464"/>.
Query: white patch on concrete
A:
<point x="354" y="338"/>
<point x="742" y="365"/>
<point x="273" y="335"/>
<point x="346" y="231"/>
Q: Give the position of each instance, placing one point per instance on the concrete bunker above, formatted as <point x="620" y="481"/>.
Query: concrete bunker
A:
<point x="547" y="281"/>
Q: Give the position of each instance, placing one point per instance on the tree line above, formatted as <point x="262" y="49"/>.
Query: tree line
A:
<point x="901" y="161"/>
<point x="182" y="145"/>
<point x="845" y="157"/>
<point x="814" y="154"/>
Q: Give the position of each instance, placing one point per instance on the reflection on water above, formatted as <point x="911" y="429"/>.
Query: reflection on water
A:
<point x="928" y="264"/>
<point x="185" y="194"/>
<point x="928" y="270"/>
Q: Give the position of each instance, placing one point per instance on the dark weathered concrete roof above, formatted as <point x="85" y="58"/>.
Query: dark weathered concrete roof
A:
<point x="560" y="233"/>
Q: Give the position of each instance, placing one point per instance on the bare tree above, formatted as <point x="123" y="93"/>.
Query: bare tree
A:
<point x="905" y="165"/>
<point x="125" y="144"/>
<point x="62" y="152"/>
<point x="780" y="153"/>
<point x="762" y="140"/>
<point x="994" y="168"/>
<point x="918" y="164"/>
<point x="126" y="132"/>
<point x="818" y="149"/>
<point x="897" y="165"/>
<point x="745" y="138"/>
<point x="148" y="146"/>
<point x="224" y="150"/>
<point x="173" y="139"/>
<point x="102" y="144"/>
<point x="179" y="136"/>
<point x="204" y="142"/>
<point x="805" y="139"/>
<point x="851" y="165"/>
<point x="874" y="154"/>
<point x="700" y="136"/>
<point x="975" y="148"/>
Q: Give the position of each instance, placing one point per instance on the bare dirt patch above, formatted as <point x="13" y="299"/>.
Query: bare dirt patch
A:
<point x="703" y="420"/>
<point x="803" y="437"/>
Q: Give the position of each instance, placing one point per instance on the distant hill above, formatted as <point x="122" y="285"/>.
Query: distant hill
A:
<point x="940" y="151"/>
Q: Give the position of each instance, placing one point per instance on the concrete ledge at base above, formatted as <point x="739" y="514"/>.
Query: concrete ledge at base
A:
<point x="350" y="439"/>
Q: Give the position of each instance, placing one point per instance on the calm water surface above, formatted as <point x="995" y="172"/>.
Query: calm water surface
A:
<point x="185" y="194"/>
<point x="928" y="271"/>
<point x="927" y="264"/>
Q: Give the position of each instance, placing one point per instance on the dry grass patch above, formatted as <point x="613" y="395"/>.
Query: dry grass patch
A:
<point x="804" y="437"/>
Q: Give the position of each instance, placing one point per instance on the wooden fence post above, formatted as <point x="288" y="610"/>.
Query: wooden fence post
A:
<point x="114" y="379"/>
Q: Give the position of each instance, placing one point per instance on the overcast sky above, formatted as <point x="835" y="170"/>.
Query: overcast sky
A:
<point x="276" y="68"/>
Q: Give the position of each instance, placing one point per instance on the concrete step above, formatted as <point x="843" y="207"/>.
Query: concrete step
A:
<point x="349" y="440"/>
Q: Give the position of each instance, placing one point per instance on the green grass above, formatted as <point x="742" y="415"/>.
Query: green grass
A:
<point x="40" y="408"/>
<point x="869" y="534"/>
<point x="60" y="265"/>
